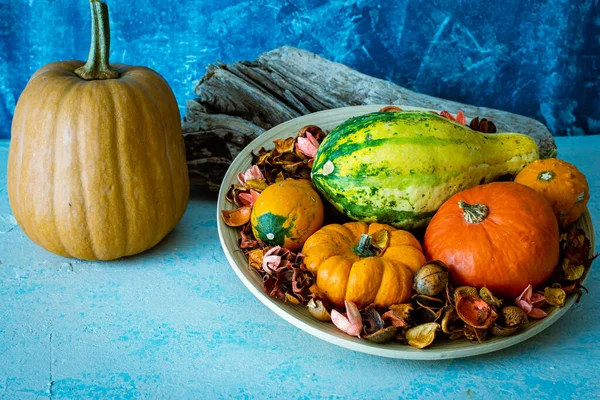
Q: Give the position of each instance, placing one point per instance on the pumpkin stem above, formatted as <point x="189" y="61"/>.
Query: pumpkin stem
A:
<point x="97" y="66"/>
<point x="474" y="213"/>
<point x="363" y="249"/>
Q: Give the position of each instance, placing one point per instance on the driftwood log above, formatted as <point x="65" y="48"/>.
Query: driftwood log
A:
<point x="238" y="102"/>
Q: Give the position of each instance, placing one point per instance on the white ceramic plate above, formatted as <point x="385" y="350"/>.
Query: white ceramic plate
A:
<point x="299" y="316"/>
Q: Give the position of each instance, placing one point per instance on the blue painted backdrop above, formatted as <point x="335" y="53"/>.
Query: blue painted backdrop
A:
<point x="540" y="58"/>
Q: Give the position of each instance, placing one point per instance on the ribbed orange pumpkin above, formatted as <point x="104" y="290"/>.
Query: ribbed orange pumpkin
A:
<point x="97" y="164"/>
<point x="503" y="236"/>
<point x="344" y="271"/>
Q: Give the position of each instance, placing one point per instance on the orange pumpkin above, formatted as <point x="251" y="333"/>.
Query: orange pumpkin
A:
<point x="562" y="185"/>
<point x="287" y="213"/>
<point x="346" y="269"/>
<point x="97" y="165"/>
<point x="503" y="236"/>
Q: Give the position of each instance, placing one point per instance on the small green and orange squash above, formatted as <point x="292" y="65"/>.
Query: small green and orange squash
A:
<point x="502" y="236"/>
<point x="347" y="265"/>
<point x="96" y="167"/>
<point x="287" y="213"/>
<point x="561" y="183"/>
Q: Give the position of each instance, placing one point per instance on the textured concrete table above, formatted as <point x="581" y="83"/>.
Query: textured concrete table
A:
<point x="175" y="322"/>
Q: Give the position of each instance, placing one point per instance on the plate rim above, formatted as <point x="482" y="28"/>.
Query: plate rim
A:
<point x="355" y="344"/>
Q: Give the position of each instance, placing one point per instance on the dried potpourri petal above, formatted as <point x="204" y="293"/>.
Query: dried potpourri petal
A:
<point x="380" y="241"/>
<point x="530" y="303"/>
<point x="317" y="309"/>
<point x="451" y="321"/>
<point x="498" y="330"/>
<point x="236" y="217"/>
<point x="483" y="125"/>
<point x="460" y="117"/>
<point x="572" y="270"/>
<point x="474" y="311"/>
<point x="576" y="246"/>
<point x="382" y="336"/>
<point x="350" y="322"/>
<point x="422" y="335"/>
<point x="392" y="319"/>
<point x="402" y="310"/>
<point x="247" y="240"/>
<point x="555" y="296"/>
<point x="489" y="297"/>
<point x="285" y="145"/>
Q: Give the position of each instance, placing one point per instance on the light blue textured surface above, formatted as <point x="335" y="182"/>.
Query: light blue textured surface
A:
<point x="175" y="322"/>
<point x="539" y="58"/>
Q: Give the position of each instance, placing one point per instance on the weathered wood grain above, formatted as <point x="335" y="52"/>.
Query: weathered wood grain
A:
<point x="237" y="102"/>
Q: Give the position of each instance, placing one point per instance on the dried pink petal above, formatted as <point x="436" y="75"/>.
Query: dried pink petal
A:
<point x="526" y="295"/>
<point x="270" y="261"/>
<point x="460" y="116"/>
<point x="528" y="302"/>
<point x="248" y="199"/>
<point x="251" y="173"/>
<point x="537" y="299"/>
<point x="349" y="323"/>
<point x="537" y="313"/>
<point x="391" y="318"/>
<point x="446" y="114"/>
<point x="307" y="145"/>
<point x="525" y="306"/>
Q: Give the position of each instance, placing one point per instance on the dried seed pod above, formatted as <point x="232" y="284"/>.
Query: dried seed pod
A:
<point x="487" y="296"/>
<point x="382" y="335"/>
<point x="317" y="309"/>
<point x="474" y="311"/>
<point x="372" y="321"/>
<point x="431" y="278"/>
<point x="514" y="316"/>
<point x="498" y="330"/>
<point x="555" y="296"/>
<point x="423" y="335"/>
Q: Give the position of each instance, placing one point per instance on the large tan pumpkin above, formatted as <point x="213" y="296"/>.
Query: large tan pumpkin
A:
<point x="97" y="168"/>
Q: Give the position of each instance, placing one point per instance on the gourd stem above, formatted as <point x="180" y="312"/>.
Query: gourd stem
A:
<point x="363" y="249"/>
<point x="97" y="66"/>
<point x="473" y="213"/>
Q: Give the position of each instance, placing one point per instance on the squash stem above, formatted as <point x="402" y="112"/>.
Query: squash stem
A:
<point x="474" y="213"/>
<point x="97" y="66"/>
<point x="363" y="249"/>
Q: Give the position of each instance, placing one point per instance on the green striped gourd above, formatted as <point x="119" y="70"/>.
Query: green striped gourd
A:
<point x="399" y="167"/>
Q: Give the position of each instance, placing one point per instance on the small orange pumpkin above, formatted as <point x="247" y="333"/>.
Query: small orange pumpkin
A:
<point x="503" y="236"/>
<point x="287" y="213"/>
<point x="346" y="269"/>
<point x="562" y="185"/>
<point x="97" y="167"/>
